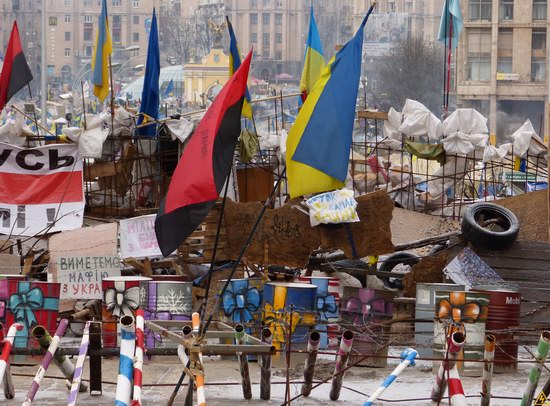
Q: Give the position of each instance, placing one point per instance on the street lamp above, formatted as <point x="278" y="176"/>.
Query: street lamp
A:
<point x="79" y="75"/>
<point x="124" y="65"/>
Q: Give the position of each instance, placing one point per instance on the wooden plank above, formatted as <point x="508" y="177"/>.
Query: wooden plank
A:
<point x="375" y="115"/>
<point x="99" y="170"/>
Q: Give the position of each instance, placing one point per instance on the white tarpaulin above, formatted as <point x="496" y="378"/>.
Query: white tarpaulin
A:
<point x="90" y="142"/>
<point x="14" y="131"/>
<point x="419" y="121"/>
<point x="460" y="143"/>
<point x="446" y="176"/>
<point x="180" y="129"/>
<point x="392" y="124"/>
<point x="41" y="189"/>
<point x="526" y="139"/>
<point x="491" y="153"/>
<point x="465" y="130"/>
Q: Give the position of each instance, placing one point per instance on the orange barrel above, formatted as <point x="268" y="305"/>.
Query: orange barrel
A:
<point x="504" y="312"/>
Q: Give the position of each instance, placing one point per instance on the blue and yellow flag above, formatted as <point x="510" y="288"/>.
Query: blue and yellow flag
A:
<point x="169" y="91"/>
<point x="100" y="61"/>
<point x="150" y="98"/>
<point x="314" y="62"/>
<point x="319" y="142"/>
<point x="234" y="63"/>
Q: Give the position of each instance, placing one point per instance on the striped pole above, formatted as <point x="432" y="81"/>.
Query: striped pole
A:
<point x="61" y="327"/>
<point x="243" y="363"/>
<point x="138" y="366"/>
<point x="199" y="379"/>
<point x="456" y="392"/>
<point x="341" y="363"/>
<point x="454" y="345"/>
<point x="265" y="367"/>
<point x="9" y="390"/>
<point x="126" y="363"/>
<point x="544" y="394"/>
<point x="63" y="362"/>
<point x="8" y="343"/>
<point x="187" y="332"/>
<point x="309" y="367"/>
<point x="408" y="356"/>
<point x="534" y="375"/>
<point x="488" y="358"/>
<point x="2" y="333"/>
<point x="77" y="376"/>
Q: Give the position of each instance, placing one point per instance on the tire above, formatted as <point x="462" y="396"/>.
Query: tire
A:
<point x="406" y="258"/>
<point x="499" y="235"/>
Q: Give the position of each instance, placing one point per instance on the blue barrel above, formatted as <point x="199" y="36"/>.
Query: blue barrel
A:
<point x="241" y="303"/>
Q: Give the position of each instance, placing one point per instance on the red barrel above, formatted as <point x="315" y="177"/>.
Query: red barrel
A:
<point x="504" y="312"/>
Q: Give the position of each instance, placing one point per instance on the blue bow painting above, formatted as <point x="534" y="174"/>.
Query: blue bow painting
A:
<point x="240" y="302"/>
<point x="327" y="307"/>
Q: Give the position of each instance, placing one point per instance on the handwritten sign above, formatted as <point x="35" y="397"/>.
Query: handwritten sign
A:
<point x="334" y="207"/>
<point x="81" y="276"/>
<point x="138" y="238"/>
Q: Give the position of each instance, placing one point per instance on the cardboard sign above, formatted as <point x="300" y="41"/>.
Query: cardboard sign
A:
<point x="81" y="276"/>
<point x="41" y="189"/>
<point x="138" y="238"/>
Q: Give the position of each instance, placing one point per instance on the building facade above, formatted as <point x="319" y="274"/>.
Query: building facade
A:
<point x="502" y="69"/>
<point x="70" y="35"/>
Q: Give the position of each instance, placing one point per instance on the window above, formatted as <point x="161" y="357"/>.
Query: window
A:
<point x="136" y="19"/>
<point x="480" y="10"/>
<point x="408" y="7"/>
<point x="88" y="31"/>
<point x="136" y="3"/>
<point x="278" y="19"/>
<point x="278" y="38"/>
<point x="88" y="19"/>
<point x="116" y="3"/>
<point x="15" y="5"/>
<point x="265" y="54"/>
<point x="506" y="10"/>
<point x="265" y="39"/>
<point x="67" y="35"/>
<point x="538" y="66"/>
<point x="67" y="51"/>
<point x="67" y="18"/>
<point x="504" y="64"/>
<point x="265" y="19"/>
<point x="88" y="50"/>
<point x="278" y="55"/>
<point x="254" y="38"/>
<point x="391" y="7"/>
<point x="67" y="2"/>
<point x="479" y="54"/>
<point x="266" y="3"/>
<point x="88" y="2"/>
<point x="253" y="3"/>
<point x="505" y="39"/>
<point x="539" y="9"/>
<point x="135" y="36"/>
<point x="538" y="39"/>
<point x="253" y="18"/>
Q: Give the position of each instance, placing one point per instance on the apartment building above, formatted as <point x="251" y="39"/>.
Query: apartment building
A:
<point x="502" y="69"/>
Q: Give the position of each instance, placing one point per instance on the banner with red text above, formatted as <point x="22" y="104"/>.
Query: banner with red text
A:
<point x="41" y="189"/>
<point x="138" y="238"/>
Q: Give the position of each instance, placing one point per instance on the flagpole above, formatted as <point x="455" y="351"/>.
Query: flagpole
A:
<point x="450" y="52"/>
<point x="446" y="11"/>
<point x="43" y="68"/>
<point x="112" y="96"/>
<point x="83" y="104"/>
<point x="34" y="111"/>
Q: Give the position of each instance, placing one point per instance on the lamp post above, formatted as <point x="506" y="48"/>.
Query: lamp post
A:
<point x="81" y="73"/>
<point x="125" y="64"/>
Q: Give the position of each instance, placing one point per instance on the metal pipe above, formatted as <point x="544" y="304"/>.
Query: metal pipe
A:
<point x="126" y="363"/>
<point x="243" y="363"/>
<point x="408" y="355"/>
<point x="138" y="366"/>
<point x="199" y="378"/>
<point x="309" y="368"/>
<point x="187" y="333"/>
<point x="61" y="327"/>
<point x="341" y="363"/>
<point x="9" y="389"/>
<point x="265" y="366"/>
<point x="60" y="360"/>
<point x="488" y="357"/>
<point x="456" y="391"/>
<point x="83" y="350"/>
<point x="455" y="342"/>
<point x="534" y="375"/>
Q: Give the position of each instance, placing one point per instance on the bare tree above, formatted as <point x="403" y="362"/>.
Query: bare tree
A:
<point x="177" y="36"/>
<point x="413" y="69"/>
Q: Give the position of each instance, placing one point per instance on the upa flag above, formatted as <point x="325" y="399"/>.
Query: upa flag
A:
<point x="100" y="60"/>
<point x="150" y="98"/>
<point x="234" y="63"/>
<point x="204" y="165"/>
<point x="15" y="71"/>
<point x="319" y="142"/>
<point x="451" y="23"/>
<point x="314" y="62"/>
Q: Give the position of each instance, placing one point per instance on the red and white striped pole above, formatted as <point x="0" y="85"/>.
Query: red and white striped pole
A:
<point x="454" y="345"/>
<point x="8" y="343"/>
<point x="138" y="363"/>
<point x="199" y="379"/>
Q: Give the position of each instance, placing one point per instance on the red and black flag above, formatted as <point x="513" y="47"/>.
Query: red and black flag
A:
<point x="15" y="72"/>
<point x="204" y="165"/>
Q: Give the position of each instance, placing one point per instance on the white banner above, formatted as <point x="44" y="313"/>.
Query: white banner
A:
<point x="138" y="238"/>
<point x="81" y="276"/>
<point x="41" y="189"/>
<point x="334" y="207"/>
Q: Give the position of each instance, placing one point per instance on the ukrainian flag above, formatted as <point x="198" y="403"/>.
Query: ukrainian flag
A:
<point x="100" y="61"/>
<point x="314" y="62"/>
<point x="319" y="142"/>
<point x="234" y="63"/>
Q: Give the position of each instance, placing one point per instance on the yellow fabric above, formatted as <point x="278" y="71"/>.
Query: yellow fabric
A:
<point x="313" y="66"/>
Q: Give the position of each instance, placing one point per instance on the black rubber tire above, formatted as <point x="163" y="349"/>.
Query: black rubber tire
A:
<point x="403" y="257"/>
<point x="499" y="236"/>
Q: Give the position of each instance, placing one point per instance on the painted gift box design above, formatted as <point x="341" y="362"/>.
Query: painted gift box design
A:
<point x="242" y="300"/>
<point x="164" y="301"/>
<point x="327" y="307"/>
<point x="120" y="298"/>
<point x="32" y="304"/>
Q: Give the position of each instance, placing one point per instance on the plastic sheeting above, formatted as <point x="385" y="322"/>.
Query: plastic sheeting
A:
<point x="465" y="131"/>
<point x="491" y="153"/>
<point x="526" y="139"/>
<point x="15" y="130"/>
<point x="461" y="143"/>
<point x="419" y="121"/>
<point x="447" y="175"/>
<point x="180" y="129"/>
<point x="392" y="124"/>
<point x="90" y="142"/>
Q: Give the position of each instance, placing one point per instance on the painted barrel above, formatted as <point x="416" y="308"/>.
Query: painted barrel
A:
<point x="278" y="298"/>
<point x="424" y="309"/>
<point x="504" y="312"/>
<point x="241" y="302"/>
<point x="163" y="300"/>
<point x="361" y="306"/>
<point x="120" y="298"/>
<point x="470" y="309"/>
<point x="328" y="301"/>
